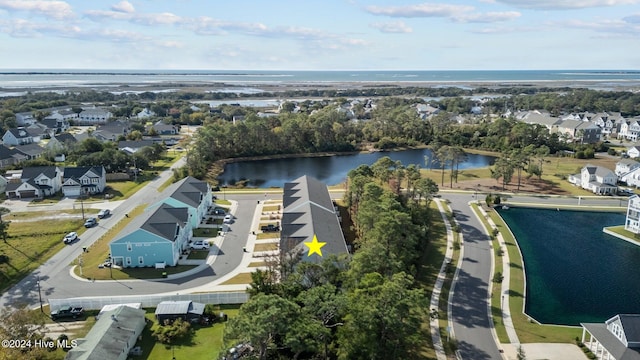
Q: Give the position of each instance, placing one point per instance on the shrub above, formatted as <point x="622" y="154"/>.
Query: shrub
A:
<point x="172" y="330"/>
<point x="497" y="277"/>
<point x="497" y="200"/>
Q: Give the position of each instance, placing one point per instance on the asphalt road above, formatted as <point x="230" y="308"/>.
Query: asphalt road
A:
<point x="56" y="281"/>
<point x="469" y="309"/>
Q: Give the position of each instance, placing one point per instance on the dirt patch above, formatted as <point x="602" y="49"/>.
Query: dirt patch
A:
<point x="531" y="185"/>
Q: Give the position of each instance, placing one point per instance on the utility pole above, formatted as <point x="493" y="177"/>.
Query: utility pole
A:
<point x="39" y="293"/>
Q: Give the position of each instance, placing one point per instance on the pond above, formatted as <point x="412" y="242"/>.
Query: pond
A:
<point x="329" y="169"/>
<point x="575" y="272"/>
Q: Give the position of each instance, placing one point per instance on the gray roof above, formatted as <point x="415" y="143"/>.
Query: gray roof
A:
<point x="33" y="172"/>
<point x="66" y="137"/>
<point x="308" y="211"/>
<point x="134" y="144"/>
<point x="112" y="334"/>
<point x="179" y="308"/>
<point x="188" y="191"/>
<point x="19" y="133"/>
<point x="30" y="149"/>
<point x="631" y="328"/>
<point x="628" y="162"/>
<point x="77" y="172"/>
<point x="161" y="222"/>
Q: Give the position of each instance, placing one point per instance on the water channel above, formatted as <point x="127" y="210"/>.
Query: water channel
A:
<point x="329" y="169"/>
<point x="575" y="272"/>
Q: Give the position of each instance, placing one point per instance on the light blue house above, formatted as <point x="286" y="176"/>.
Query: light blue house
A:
<point x="156" y="237"/>
<point x="191" y="193"/>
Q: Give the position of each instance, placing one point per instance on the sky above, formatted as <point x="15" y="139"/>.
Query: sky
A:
<point x="320" y="35"/>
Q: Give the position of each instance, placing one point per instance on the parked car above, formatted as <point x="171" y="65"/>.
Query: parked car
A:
<point x="70" y="237"/>
<point x="219" y="212"/>
<point x="228" y="219"/>
<point x="67" y="312"/>
<point x="91" y="222"/>
<point x="270" y="228"/>
<point x="199" y="245"/>
<point x="104" y="213"/>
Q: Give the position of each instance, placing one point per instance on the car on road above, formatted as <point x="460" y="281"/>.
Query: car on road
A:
<point x="104" y="213"/>
<point x="199" y="245"/>
<point x="70" y="237"/>
<point x="91" y="222"/>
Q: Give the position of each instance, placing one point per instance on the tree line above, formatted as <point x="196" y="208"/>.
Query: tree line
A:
<point x="367" y="306"/>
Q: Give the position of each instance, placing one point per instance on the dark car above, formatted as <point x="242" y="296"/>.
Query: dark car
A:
<point x="91" y="222"/>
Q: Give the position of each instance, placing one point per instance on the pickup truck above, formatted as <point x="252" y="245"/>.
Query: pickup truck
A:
<point x="67" y="312"/>
<point x="270" y="228"/>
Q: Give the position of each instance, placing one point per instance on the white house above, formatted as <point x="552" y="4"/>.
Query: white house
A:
<point x="625" y="166"/>
<point x="25" y="118"/>
<point x="94" y="116"/>
<point x="616" y="339"/>
<point x="632" y="222"/>
<point x="634" y="152"/>
<point x="596" y="179"/>
<point x="36" y="182"/>
<point x="84" y="180"/>
<point x="629" y="130"/>
<point x="145" y="113"/>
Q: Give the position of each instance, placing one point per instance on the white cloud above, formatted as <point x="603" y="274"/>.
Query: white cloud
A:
<point x="392" y="27"/>
<point x="489" y="17"/>
<point x="53" y="9"/>
<point x="158" y="19"/>
<point x="604" y="26"/>
<point x="124" y="6"/>
<point x="566" y="4"/>
<point x="99" y="15"/>
<point x="419" y="10"/>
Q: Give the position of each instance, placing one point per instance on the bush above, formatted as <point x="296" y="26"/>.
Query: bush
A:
<point x="497" y="200"/>
<point x="497" y="277"/>
<point x="172" y="330"/>
<point x="611" y="151"/>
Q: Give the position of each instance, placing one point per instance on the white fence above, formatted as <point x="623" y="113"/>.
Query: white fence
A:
<point x="150" y="301"/>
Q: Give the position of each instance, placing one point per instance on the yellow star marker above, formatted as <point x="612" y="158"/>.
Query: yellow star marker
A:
<point x="314" y="246"/>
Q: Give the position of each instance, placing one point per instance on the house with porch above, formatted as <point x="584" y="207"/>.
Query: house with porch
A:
<point x="617" y="339"/>
<point x="17" y="136"/>
<point x="629" y="130"/>
<point x="191" y="193"/>
<point x="35" y="182"/>
<point x="83" y="180"/>
<point x="625" y="166"/>
<point x="94" y="116"/>
<point x="155" y="237"/>
<point x="597" y="179"/>
<point x="113" y="335"/>
<point x="310" y="221"/>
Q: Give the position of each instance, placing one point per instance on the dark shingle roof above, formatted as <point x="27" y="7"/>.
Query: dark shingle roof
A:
<point x="29" y="149"/>
<point x="66" y="137"/>
<point x="188" y="191"/>
<point x="33" y="172"/>
<point x="77" y="172"/>
<point x="164" y="221"/>
<point x="19" y="133"/>
<point x="631" y="326"/>
<point x="610" y="342"/>
<point x="308" y="211"/>
<point x="6" y="153"/>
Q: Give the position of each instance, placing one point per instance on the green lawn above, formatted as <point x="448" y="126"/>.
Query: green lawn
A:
<point x="205" y="232"/>
<point x="242" y="278"/>
<point x="206" y="342"/>
<point x="271" y="208"/>
<point x="30" y="244"/>
<point x="198" y="255"/>
<point x="268" y="235"/>
<point x="528" y="331"/>
<point x="265" y="247"/>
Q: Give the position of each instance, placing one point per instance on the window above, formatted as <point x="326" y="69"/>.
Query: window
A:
<point x="128" y="261"/>
<point x="616" y="330"/>
<point x="129" y="247"/>
<point x="140" y="260"/>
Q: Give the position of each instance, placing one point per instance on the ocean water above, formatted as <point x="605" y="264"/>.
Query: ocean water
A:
<point x="78" y="78"/>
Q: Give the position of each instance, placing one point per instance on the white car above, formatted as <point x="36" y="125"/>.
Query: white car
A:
<point x="199" y="245"/>
<point x="228" y="219"/>
<point x="70" y="237"/>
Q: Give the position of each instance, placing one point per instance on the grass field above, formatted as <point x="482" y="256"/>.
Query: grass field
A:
<point x="30" y="244"/>
<point x="242" y="278"/>
<point x="266" y="247"/>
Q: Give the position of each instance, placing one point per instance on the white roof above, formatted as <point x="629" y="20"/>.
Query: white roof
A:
<point x="115" y="306"/>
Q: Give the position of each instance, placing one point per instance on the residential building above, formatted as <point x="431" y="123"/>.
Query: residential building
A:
<point x="632" y="222"/>
<point x="596" y="179"/>
<point x="161" y="128"/>
<point x="57" y="125"/>
<point x="94" y="116"/>
<point x="191" y="193"/>
<point x="633" y="152"/>
<point x="309" y="217"/>
<point x="38" y="182"/>
<point x="111" y="131"/>
<point x="625" y="166"/>
<point x="158" y="237"/>
<point x="30" y="151"/>
<point x="25" y="118"/>
<point x="145" y="113"/>
<point x="617" y="339"/>
<point x="9" y="156"/>
<point x="17" y="136"/>
<point x="172" y="310"/>
<point x="61" y="141"/>
<point x="629" y="130"/>
<point x="632" y="178"/>
<point x="83" y="180"/>
<point x="112" y="336"/>
<point x="588" y="133"/>
<point x="132" y="146"/>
